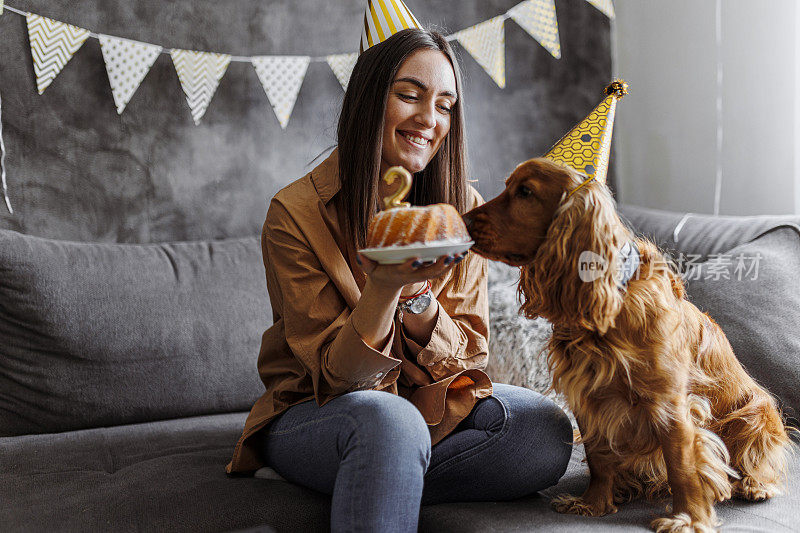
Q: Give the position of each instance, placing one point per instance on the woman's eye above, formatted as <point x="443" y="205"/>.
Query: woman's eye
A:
<point x="407" y="96"/>
<point x="445" y="109"/>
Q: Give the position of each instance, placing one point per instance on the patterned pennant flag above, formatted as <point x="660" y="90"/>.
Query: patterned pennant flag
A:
<point x="486" y="43"/>
<point x="342" y="66"/>
<point x="52" y="45"/>
<point x="281" y="77"/>
<point x="127" y="63"/>
<point x="605" y="6"/>
<point x="538" y="18"/>
<point x="199" y="73"/>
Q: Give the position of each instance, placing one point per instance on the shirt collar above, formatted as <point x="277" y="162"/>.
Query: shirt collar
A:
<point x="325" y="177"/>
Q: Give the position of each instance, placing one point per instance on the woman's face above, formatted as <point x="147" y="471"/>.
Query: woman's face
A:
<point x="418" y="110"/>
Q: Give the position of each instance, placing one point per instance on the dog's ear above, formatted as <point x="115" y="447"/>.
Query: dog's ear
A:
<point x="572" y="279"/>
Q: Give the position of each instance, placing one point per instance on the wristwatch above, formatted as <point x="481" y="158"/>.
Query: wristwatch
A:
<point x="417" y="303"/>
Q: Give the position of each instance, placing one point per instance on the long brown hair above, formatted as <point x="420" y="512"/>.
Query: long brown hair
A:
<point x="360" y="137"/>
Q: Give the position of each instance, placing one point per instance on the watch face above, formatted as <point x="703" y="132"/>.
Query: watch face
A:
<point x="420" y="303"/>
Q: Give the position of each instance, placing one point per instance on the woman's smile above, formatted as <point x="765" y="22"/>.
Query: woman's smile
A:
<point x="414" y="140"/>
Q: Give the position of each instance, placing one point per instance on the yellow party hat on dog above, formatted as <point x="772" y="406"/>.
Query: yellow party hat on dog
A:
<point x="587" y="146"/>
<point x="384" y="18"/>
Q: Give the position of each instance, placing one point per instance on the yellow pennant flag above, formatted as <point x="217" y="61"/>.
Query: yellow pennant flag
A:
<point x="538" y="18"/>
<point x="342" y="66"/>
<point x="52" y="45"/>
<point x="486" y="43"/>
<point x="199" y="74"/>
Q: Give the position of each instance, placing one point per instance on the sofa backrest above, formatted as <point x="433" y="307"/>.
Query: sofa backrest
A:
<point x="104" y="334"/>
<point x="698" y="235"/>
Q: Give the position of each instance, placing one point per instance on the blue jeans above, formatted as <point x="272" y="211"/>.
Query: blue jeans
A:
<point x="371" y="451"/>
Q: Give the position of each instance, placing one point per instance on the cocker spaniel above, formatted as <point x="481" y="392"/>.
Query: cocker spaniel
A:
<point x="662" y="404"/>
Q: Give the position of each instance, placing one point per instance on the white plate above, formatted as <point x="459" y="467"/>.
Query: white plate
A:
<point x="393" y="255"/>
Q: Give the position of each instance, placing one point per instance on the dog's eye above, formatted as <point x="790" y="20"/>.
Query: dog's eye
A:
<point x="524" y="192"/>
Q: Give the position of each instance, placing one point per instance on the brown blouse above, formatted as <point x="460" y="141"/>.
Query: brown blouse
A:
<point x="312" y="351"/>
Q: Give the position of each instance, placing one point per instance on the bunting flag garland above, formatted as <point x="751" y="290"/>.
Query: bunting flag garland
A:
<point x="281" y="77"/>
<point x="199" y="73"/>
<point x="342" y="66"/>
<point x="538" y="18"/>
<point x="605" y="7"/>
<point x="127" y="63"/>
<point x="486" y="43"/>
<point x="52" y="45"/>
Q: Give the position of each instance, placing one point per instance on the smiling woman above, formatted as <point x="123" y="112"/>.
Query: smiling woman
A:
<point x="380" y="403"/>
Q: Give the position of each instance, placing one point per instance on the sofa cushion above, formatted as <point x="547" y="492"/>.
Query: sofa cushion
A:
<point x="156" y="476"/>
<point x="696" y="234"/>
<point x="98" y="334"/>
<point x="758" y="307"/>
<point x="170" y="476"/>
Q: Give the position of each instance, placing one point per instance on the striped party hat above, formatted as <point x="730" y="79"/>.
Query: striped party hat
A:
<point x="384" y="18"/>
<point x="587" y="146"/>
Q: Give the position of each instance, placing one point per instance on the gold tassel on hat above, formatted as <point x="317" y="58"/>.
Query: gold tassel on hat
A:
<point x="384" y="18"/>
<point x="587" y="146"/>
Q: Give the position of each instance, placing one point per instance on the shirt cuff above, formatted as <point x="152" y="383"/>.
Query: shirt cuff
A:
<point x="353" y="360"/>
<point x="447" y="340"/>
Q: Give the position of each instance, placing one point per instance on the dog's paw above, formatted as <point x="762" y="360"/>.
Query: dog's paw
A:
<point x="576" y="505"/>
<point x="749" y="489"/>
<point x="680" y="523"/>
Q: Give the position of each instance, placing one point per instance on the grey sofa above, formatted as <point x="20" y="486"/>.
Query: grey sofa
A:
<point x="126" y="373"/>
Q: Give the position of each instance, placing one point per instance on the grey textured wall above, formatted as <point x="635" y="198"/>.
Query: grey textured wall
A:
<point x="78" y="171"/>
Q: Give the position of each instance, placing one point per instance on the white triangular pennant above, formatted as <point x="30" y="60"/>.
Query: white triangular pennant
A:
<point x="199" y="73"/>
<point x="605" y="6"/>
<point x="281" y="77"/>
<point x="486" y="43"/>
<point x="127" y="63"/>
<point x="342" y="66"/>
<point x="52" y="45"/>
<point x="538" y="18"/>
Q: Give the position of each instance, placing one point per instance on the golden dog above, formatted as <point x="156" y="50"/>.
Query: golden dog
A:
<point x="663" y="405"/>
